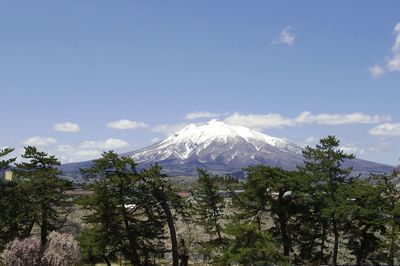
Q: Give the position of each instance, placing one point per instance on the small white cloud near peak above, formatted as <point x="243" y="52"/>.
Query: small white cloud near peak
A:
<point x="67" y="127"/>
<point x="259" y="121"/>
<point x="126" y="124"/>
<point x="39" y="141"/>
<point x="285" y="37"/>
<point x="198" y="115"/>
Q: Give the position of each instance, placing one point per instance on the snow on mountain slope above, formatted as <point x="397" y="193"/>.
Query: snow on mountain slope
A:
<point x="193" y="139"/>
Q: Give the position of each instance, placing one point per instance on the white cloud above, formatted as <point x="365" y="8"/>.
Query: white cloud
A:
<point x="340" y="119"/>
<point x="64" y="148"/>
<point x="197" y="115"/>
<point x="259" y="121"/>
<point x="393" y="62"/>
<point x="376" y="71"/>
<point x="126" y="124"/>
<point x="352" y="149"/>
<point x="263" y="121"/>
<point x="67" y="127"/>
<point x="107" y="144"/>
<point x="68" y="154"/>
<point x="39" y="141"/>
<point x="285" y="37"/>
<point x="168" y="129"/>
<point x="386" y="130"/>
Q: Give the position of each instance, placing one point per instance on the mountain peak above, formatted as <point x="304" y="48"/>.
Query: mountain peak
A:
<point x="216" y="129"/>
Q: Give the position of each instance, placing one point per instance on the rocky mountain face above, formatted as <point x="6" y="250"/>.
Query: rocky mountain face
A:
<point x="222" y="149"/>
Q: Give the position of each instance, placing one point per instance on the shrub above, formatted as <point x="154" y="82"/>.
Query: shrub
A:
<point x="24" y="252"/>
<point x="61" y="250"/>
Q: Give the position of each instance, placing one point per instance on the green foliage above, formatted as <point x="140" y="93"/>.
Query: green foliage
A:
<point x="276" y="193"/>
<point x="162" y="191"/>
<point x="250" y="246"/>
<point x="16" y="218"/>
<point x="5" y="163"/>
<point x="125" y="218"/>
<point x="323" y="165"/>
<point x="90" y="246"/>
<point x="365" y="212"/>
<point x="37" y="176"/>
<point x="209" y="205"/>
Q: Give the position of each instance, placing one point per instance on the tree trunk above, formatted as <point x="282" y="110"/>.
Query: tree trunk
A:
<point x="322" y="247"/>
<point x="285" y="238"/>
<point x="172" y="231"/>
<point x="106" y="260"/>
<point x="336" y="244"/>
<point x="44" y="227"/>
<point x="392" y="248"/>
<point x="133" y="256"/>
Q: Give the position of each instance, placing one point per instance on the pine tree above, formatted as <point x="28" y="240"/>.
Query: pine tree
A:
<point x="365" y="215"/>
<point x="391" y="197"/>
<point x="209" y="204"/>
<point x="162" y="191"/>
<point x="250" y="246"/>
<point x="276" y="193"/>
<point x="38" y="177"/>
<point x="209" y="210"/>
<point x="15" y="215"/>
<point x="125" y="217"/>
<point x="324" y="164"/>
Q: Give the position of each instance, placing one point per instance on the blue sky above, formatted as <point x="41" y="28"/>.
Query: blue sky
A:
<point x="256" y="63"/>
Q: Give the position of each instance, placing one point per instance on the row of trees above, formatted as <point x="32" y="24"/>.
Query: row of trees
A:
<point x="319" y="214"/>
<point x="310" y="216"/>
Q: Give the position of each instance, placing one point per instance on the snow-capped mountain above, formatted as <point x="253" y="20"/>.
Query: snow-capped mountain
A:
<point x="211" y="141"/>
<point x="223" y="149"/>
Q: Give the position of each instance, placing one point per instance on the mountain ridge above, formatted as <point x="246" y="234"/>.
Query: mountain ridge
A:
<point x="222" y="149"/>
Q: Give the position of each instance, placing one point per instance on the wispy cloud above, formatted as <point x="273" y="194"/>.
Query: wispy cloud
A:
<point x="285" y="37"/>
<point x="259" y="121"/>
<point x="392" y="64"/>
<point x="168" y="129"/>
<point x="126" y="124"/>
<point x="39" y="141"/>
<point x="67" y="127"/>
<point x="198" y="115"/>
<point x="107" y="144"/>
<point x="340" y="119"/>
<point x="386" y="130"/>
<point x="272" y="120"/>
<point x="376" y="71"/>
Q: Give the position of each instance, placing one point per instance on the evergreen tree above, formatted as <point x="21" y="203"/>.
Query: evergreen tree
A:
<point x="209" y="204"/>
<point x="15" y="215"/>
<point x="391" y="197"/>
<point x="44" y="190"/>
<point x="276" y="193"/>
<point x="163" y="192"/>
<point x="125" y="217"/>
<point x="16" y="219"/>
<point x="365" y="214"/>
<point x="209" y="207"/>
<point x="324" y="164"/>
<point x="250" y="246"/>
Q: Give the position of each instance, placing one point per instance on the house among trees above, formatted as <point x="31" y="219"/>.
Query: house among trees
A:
<point x="8" y="175"/>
